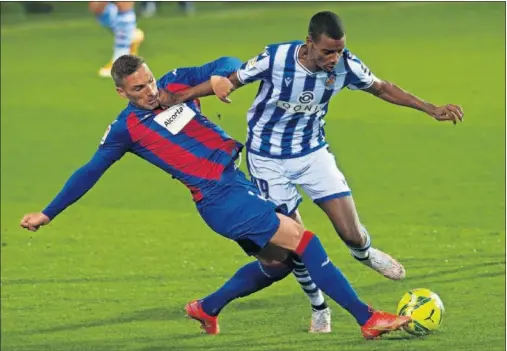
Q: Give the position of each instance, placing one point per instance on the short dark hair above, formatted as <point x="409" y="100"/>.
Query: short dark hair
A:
<point x="124" y="66"/>
<point x="328" y="23"/>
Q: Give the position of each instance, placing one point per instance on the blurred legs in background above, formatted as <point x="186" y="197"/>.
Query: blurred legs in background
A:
<point x="120" y="18"/>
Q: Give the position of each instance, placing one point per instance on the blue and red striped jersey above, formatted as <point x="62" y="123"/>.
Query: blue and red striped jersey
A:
<point x="180" y="140"/>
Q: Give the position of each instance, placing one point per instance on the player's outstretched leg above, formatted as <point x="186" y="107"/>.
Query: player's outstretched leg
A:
<point x="253" y="223"/>
<point x="342" y="213"/>
<point x="250" y="278"/>
<point x="331" y="281"/>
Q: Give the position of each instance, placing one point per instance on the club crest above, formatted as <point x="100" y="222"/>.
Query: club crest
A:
<point x="329" y="84"/>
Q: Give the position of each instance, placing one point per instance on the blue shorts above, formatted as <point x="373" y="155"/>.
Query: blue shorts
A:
<point x="238" y="212"/>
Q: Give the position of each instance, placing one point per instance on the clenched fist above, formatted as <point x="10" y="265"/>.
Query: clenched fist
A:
<point x="33" y="221"/>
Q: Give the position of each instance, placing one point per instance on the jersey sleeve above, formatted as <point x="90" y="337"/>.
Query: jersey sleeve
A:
<point x="192" y="76"/>
<point x="112" y="147"/>
<point x="257" y="68"/>
<point x="359" y="76"/>
<point x="115" y="142"/>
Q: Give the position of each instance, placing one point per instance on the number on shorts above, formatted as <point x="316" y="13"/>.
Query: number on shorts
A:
<point x="263" y="187"/>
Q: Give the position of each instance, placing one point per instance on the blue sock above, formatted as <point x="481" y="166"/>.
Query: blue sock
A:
<point x="108" y="17"/>
<point x="250" y="278"/>
<point x="123" y="29"/>
<point x="329" y="278"/>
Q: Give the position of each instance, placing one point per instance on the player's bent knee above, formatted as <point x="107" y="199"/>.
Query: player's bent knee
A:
<point x="271" y="263"/>
<point x="272" y="255"/>
<point x="276" y="270"/>
<point x="289" y="233"/>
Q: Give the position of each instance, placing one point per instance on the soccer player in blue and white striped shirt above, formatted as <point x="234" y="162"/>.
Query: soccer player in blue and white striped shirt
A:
<point x="286" y="142"/>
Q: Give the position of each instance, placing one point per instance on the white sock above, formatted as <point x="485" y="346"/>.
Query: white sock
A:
<point x="124" y="33"/>
<point x="362" y="253"/>
<point x="314" y="294"/>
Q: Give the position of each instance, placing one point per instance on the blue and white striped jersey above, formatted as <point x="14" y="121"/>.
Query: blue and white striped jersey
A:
<point x="286" y="119"/>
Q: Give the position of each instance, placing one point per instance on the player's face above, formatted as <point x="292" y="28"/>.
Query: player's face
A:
<point x="140" y="88"/>
<point x="326" y="51"/>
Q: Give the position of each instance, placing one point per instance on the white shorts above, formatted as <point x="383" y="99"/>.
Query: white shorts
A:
<point x="316" y="173"/>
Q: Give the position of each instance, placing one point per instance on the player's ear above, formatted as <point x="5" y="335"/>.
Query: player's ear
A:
<point x="121" y="92"/>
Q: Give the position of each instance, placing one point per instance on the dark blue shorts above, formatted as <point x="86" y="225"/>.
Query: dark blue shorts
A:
<point x="239" y="212"/>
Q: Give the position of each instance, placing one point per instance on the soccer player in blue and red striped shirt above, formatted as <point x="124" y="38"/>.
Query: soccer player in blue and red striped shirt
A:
<point x="181" y="141"/>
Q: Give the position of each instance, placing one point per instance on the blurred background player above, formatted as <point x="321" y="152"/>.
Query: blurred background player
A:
<point x="120" y="18"/>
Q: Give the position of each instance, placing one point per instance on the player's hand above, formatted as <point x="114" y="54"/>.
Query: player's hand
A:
<point x="222" y="87"/>
<point x="168" y="99"/>
<point x="33" y="221"/>
<point x="449" y="112"/>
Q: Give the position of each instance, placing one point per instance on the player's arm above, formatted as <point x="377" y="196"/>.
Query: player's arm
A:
<point x="169" y="99"/>
<point x="390" y="92"/>
<point x="254" y="69"/>
<point x="214" y="76"/>
<point x="229" y="76"/>
<point x="201" y="79"/>
<point x="77" y="185"/>
<point x="360" y="77"/>
<point x="257" y="68"/>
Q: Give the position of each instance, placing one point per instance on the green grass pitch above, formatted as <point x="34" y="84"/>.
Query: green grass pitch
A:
<point x="114" y="271"/>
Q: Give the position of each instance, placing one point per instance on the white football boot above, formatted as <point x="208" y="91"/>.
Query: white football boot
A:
<point x="384" y="264"/>
<point x="321" y="321"/>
